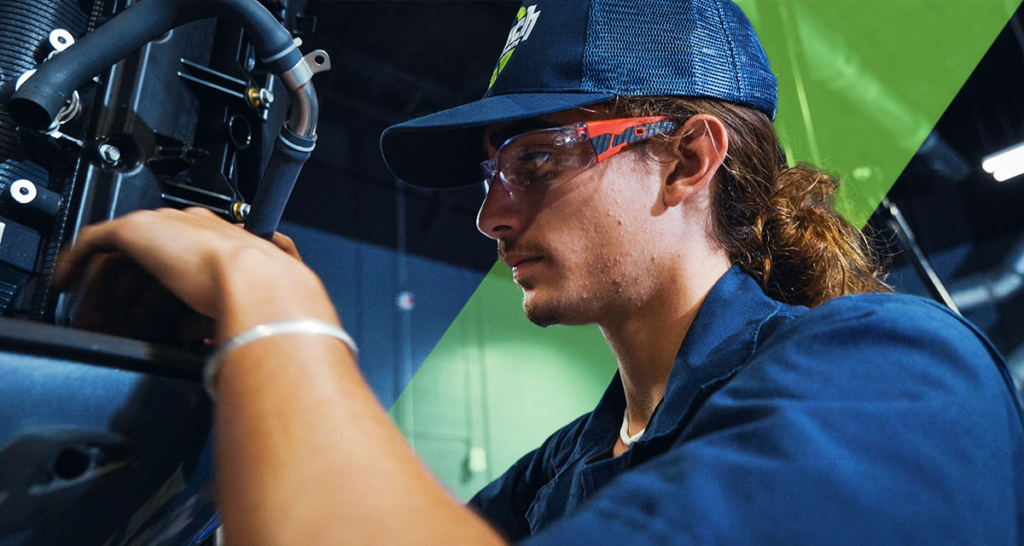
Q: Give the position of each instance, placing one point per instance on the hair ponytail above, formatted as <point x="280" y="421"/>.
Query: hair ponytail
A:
<point x="775" y="221"/>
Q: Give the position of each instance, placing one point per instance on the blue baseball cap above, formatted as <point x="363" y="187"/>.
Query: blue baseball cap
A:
<point x="565" y="54"/>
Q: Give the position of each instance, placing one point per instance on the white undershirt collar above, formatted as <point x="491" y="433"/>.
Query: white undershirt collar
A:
<point x="624" y="431"/>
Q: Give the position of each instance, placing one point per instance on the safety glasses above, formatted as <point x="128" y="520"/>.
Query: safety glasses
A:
<point x="530" y="164"/>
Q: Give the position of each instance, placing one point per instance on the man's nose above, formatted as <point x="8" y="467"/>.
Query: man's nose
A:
<point x="498" y="216"/>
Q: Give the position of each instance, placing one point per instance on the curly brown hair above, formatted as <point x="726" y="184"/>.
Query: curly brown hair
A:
<point x="775" y="221"/>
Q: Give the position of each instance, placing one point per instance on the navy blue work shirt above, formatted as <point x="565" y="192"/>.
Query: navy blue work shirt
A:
<point x="871" y="419"/>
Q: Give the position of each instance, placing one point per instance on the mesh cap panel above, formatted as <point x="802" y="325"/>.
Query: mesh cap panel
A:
<point x="703" y="48"/>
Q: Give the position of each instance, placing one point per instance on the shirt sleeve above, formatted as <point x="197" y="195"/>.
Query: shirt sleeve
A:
<point x="505" y="501"/>
<point x="871" y="421"/>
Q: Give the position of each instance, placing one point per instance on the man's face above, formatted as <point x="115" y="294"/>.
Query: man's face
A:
<point x="590" y="249"/>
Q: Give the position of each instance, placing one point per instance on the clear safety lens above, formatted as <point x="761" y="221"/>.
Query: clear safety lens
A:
<point x="532" y="163"/>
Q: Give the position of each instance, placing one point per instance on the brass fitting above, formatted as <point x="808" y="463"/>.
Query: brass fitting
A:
<point x="239" y="211"/>
<point x="253" y="94"/>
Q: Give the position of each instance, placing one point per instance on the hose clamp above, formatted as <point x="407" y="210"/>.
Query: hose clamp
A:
<point x="302" y="72"/>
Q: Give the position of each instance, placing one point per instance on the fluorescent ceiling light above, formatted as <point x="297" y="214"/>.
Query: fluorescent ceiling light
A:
<point x="1005" y="164"/>
<point x="1008" y="173"/>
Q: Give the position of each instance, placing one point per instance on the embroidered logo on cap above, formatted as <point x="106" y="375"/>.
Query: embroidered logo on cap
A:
<point x="525" y="21"/>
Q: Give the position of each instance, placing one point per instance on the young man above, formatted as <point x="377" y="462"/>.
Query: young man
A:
<point x="635" y="182"/>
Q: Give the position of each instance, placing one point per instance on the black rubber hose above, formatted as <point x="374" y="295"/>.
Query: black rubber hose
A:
<point x="36" y="103"/>
<point x="290" y="152"/>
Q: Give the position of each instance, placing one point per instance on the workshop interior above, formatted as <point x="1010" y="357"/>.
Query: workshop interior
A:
<point x="268" y="112"/>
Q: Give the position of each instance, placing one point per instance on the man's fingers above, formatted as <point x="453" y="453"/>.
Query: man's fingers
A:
<point x="155" y="312"/>
<point x="72" y="262"/>
<point x="111" y="288"/>
<point x="200" y="211"/>
<point x="97" y="300"/>
<point x="194" y="327"/>
<point x="192" y="253"/>
<point x="128" y="234"/>
<point x="286" y="244"/>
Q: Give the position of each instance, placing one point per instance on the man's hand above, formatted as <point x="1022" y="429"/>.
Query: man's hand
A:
<point x="137" y="271"/>
<point x="118" y="297"/>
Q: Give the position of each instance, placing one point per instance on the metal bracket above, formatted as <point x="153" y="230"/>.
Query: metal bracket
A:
<point x="299" y="75"/>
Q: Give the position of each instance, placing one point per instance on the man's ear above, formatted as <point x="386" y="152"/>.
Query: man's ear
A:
<point x="699" y="150"/>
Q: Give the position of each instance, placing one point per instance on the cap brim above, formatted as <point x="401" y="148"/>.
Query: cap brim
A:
<point x="444" y="150"/>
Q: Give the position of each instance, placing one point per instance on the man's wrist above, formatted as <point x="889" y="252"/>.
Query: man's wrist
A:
<point x="260" y="287"/>
<point x="271" y="329"/>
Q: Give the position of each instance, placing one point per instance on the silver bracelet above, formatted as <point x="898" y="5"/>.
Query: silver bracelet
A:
<point x="260" y="331"/>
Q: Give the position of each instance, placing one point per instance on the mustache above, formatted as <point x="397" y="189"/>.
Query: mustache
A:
<point x="506" y="247"/>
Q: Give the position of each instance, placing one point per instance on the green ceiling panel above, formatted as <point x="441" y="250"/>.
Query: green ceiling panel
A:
<point x="862" y="82"/>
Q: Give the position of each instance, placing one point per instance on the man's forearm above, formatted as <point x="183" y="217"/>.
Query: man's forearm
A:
<point x="306" y="455"/>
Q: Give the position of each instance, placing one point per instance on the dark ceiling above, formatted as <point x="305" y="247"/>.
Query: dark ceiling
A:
<point x="392" y="61"/>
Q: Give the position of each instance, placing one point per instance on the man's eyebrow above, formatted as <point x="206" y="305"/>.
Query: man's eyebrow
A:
<point x="497" y="138"/>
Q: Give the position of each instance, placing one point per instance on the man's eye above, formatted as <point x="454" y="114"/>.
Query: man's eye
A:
<point x="534" y="165"/>
<point x="533" y="160"/>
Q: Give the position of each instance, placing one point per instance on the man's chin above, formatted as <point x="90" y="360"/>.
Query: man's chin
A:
<point x="546" y="312"/>
<point x="541" y="317"/>
<point x="541" y="313"/>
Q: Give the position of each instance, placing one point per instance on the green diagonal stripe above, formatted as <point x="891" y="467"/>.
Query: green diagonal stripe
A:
<point x="861" y="84"/>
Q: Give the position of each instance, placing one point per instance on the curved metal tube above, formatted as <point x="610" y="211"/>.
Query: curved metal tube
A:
<point x="39" y="99"/>
<point x="305" y="111"/>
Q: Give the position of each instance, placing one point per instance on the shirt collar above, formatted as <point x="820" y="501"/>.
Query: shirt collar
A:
<point x="720" y="341"/>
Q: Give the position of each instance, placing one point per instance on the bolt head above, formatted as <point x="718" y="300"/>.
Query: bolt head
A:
<point x="109" y="153"/>
<point x="266" y="97"/>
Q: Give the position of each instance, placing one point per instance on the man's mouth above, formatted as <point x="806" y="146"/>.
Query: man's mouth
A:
<point x="520" y="257"/>
<point x="521" y="268"/>
<point x="515" y="261"/>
